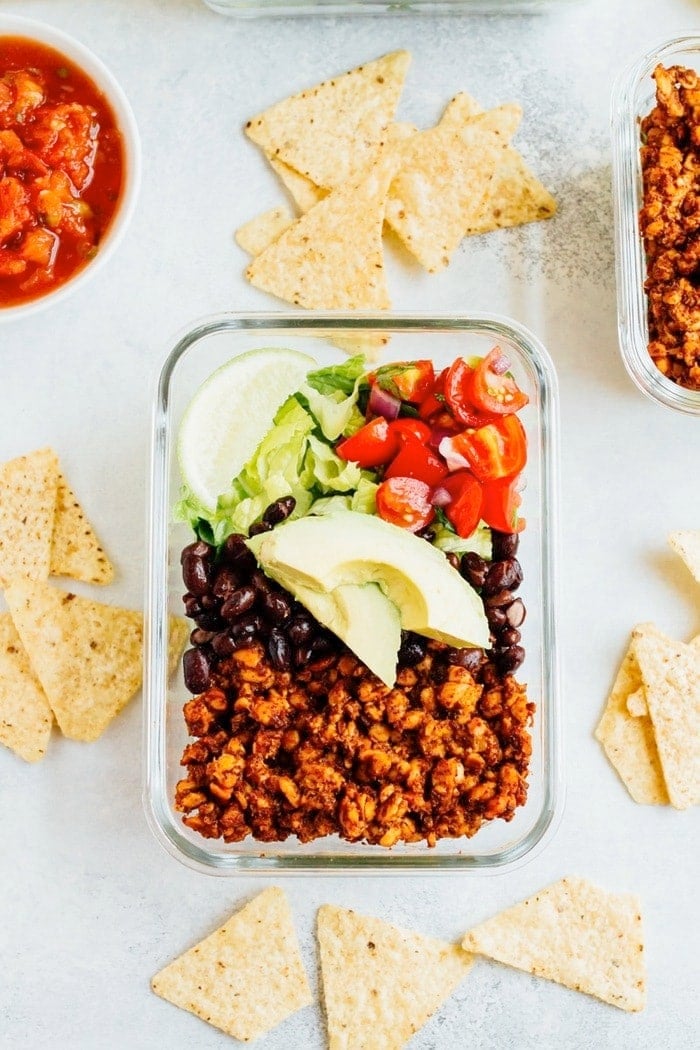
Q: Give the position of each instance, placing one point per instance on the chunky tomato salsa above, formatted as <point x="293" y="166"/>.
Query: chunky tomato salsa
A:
<point x="61" y="169"/>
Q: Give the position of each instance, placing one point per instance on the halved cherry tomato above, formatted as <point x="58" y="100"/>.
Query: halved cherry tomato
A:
<point x="414" y="460"/>
<point x="500" y="506"/>
<point x="408" y="427"/>
<point x="464" y="510"/>
<point x="405" y="502"/>
<point x="459" y="395"/>
<point x="371" y="446"/>
<point x="492" y="390"/>
<point x="411" y="380"/>
<point x="497" y="450"/>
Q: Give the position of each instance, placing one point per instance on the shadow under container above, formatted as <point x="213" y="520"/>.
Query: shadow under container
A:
<point x="211" y="343"/>
<point x="633" y="98"/>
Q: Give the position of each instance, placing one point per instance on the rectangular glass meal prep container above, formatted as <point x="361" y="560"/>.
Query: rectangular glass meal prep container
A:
<point x="211" y="343"/>
<point x="263" y="8"/>
<point x="633" y="98"/>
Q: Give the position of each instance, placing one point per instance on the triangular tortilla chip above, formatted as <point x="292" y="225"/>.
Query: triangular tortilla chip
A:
<point x="25" y="715"/>
<point x="86" y="655"/>
<point x="303" y="191"/>
<point x="686" y="542"/>
<point x="381" y="983"/>
<point x="257" y="234"/>
<point x="178" y="630"/>
<point x="575" y="934"/>
<point x="671" y="675"/>
<point x="444" y="177"/>
<point x="332" y="257"/>
<point x="27" y="507"/>
<point x="628" y="741"/>
<point x="247" y="976"/>
<point x="75" y="549"/>
<point x="330" y="131"/>
<point x="515" y="194"/>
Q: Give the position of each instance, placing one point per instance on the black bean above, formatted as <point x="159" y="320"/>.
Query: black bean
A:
<point x="453" y="559"/>
<point x="510" y="659"/>
<point x="192" y="605"/>
<point x="503" y="575"/>
<point x="240" y="602"/>
<point x="279" y="510"/>
<point x="321" y="644"/>
<point x="474" y="569"/>
<point x="498" y="600"/>
<point x="195" y="573"/>
<point x="301" y="655"/>
<point x="276" y="606"/>
<point x="196" y="669"/>
<point x="209" y="620"/>
<point x="199" y="549"/>
<point x="496" y="618"/>
<point x="223" y="644"/>
<point x="515" y="613"/>
<point x="260" y="526"/>
<point x="504" y="544"/>
<point x="412" y="649"/>
<point x="209" y="602"/>
<point x="279" y="649"/>
<point x="200" y="637"/>
<point x="470" y="659"/>
<point x="508" y="636"/>
<point x="300" y="630"/>
<point x="225" y="583"/>
<point x="428" y="533"/>
<point x="235" y="554"/>
<point x="260" y="582"/>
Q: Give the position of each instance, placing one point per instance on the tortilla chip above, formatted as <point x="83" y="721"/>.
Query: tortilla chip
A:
<point x="75" y="549"/>
<point x="86" y="655"/>
<point x="27" y="507"/>
<point x="444" y="177"/>
<point x="637" y="703"/>
<point x="629" y="741"/>
<point x="671" y="675"/>
<point x="178" y="633"/>
<point x="369" y="344"/>
<point x="255" y="236"/>
<point x="25" y="715"/>
<point x="515" y="194"/>
<point x="381" y="983"/>
<point x="303" y="191"/>
<point x="330" y="131"/>
<point x="687" y="544"/>
<point x="332" y="257"/>
<point x="575" y="934"/>
<point x="247" y="976"/>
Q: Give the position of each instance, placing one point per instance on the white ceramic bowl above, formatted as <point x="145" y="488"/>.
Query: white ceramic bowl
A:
<point x="17" y="26"/>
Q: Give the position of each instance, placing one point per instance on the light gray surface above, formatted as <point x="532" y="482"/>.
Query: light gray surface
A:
<point x="90" y="906"/>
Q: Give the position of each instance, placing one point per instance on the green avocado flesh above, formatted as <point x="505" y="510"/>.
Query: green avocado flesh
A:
<point x="314" y="557"/>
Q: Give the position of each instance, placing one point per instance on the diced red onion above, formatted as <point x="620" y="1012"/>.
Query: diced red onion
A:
<point x="441" y="497"/>
<point x="382" y="403"/>
<point x="455" y="460"/>
<point x="500" y="364"/>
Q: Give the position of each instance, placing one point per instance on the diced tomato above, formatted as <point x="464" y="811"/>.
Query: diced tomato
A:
<point x="405" y="502"/>
<point x="497" y="450"/>
<point x="492" y="390"/>
<point x="464" y="509"/>
<point x="500" y="507"/>
<point x="408" y="427"/>
<point x="414" y="460"/>
<point x="372" y="445"/>
<point x="412" y="381"/>
<point x="435" y="400"/>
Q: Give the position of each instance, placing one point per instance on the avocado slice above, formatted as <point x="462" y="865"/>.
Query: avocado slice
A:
<point x="326" y="552"/>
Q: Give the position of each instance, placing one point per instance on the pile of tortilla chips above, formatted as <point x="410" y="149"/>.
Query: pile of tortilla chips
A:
<point x="650" y="729"/>
<point x="61" y="656"/>
<point x="381" y="984"/>
<point x="351" y="170"/>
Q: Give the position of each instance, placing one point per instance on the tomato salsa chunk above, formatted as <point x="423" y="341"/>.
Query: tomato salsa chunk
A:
<point x="61" y="169"/>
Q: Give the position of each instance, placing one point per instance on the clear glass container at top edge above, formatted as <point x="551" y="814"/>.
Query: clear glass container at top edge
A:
<point x="633" y="97"/>
<point x="269" y="8"/>
<point x="210" y="343"/>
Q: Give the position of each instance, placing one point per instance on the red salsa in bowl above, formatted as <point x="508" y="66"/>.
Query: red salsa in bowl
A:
<point x="62" y="169"/>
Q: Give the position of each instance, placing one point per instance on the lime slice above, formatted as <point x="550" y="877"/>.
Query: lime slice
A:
<point x="230" y="414"/>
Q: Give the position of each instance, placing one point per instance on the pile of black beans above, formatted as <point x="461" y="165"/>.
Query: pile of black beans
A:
<point x="233" y="604"/>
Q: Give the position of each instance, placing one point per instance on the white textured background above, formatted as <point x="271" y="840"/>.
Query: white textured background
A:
<point x="90" y="907"/>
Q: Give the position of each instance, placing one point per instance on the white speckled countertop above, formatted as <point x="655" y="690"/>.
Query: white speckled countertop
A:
<point x="90" y="906"/>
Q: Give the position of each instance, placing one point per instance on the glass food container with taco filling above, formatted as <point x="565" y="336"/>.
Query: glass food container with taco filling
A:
<point x="210" y="344"/>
